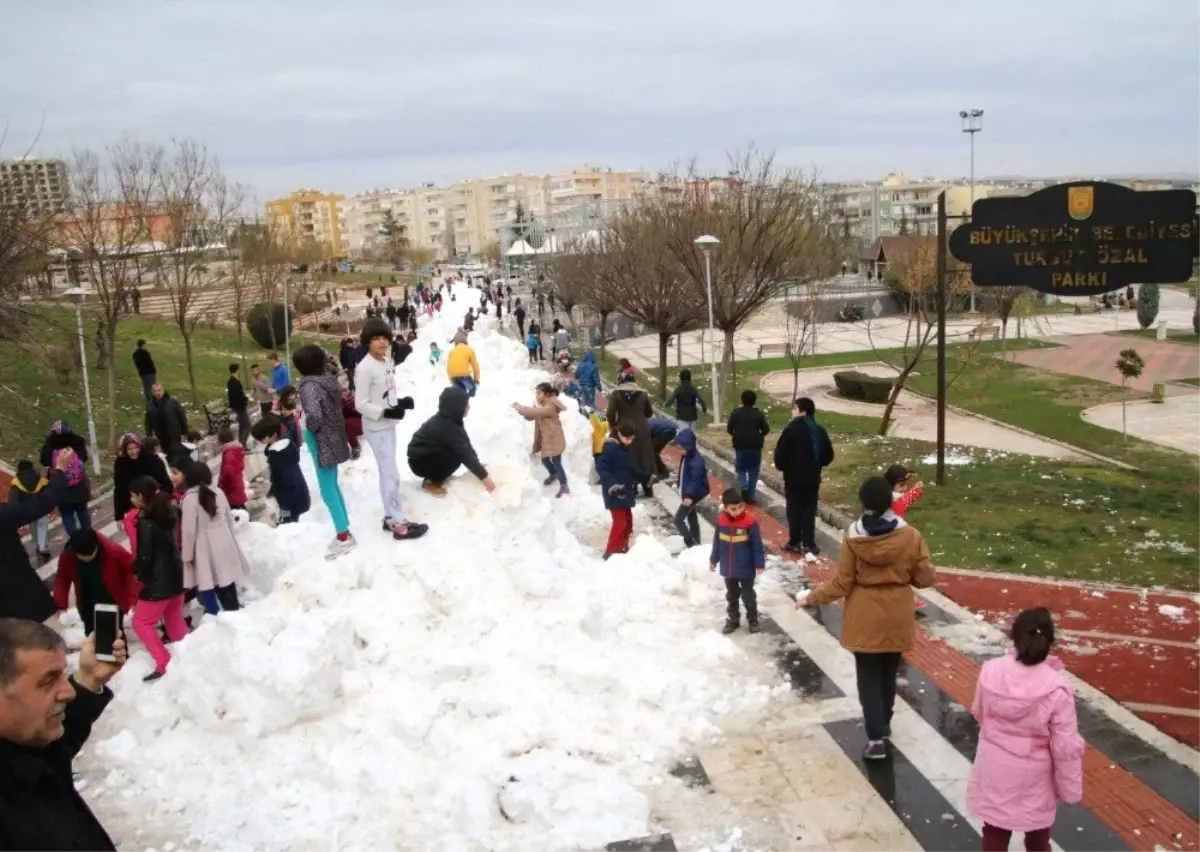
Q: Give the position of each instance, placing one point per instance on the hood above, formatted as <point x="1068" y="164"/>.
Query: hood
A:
<point x="233" y="446"/>
<point x="687" y="440"/>
<point x="28" y="480"/>
<point x="1014" y="687"/>
<point x="281" y="444"/>
<point x="869" y="525"/>
<point x="460" y="336"/>
<point x="60" y="427"/>
<point x="588" y="358"/>
<point x="400" y="351"/>
<point x="743" y="521"/>
<point x="453" y="403"/>
<point x="879" y="551"/>
<point x="61" y="440"/>
<point x="629" y="391"/>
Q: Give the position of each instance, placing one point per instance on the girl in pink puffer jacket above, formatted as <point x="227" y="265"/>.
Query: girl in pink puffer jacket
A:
<point x="1030" y="754"/>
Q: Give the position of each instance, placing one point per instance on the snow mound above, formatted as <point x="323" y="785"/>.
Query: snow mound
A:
<point x="952" y="458"/>
<point x="494" y="685"/>
<point x="1176" y="613"/>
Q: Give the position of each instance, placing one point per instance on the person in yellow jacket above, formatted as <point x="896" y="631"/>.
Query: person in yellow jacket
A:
<point x="599" y="433"/>
<point x="461" y="365"/>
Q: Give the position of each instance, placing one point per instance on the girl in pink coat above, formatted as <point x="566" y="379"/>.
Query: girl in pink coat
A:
<point x="1030" y="754"/>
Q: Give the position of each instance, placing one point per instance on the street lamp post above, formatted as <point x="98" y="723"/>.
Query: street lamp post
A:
<point x="706" y="243"/>
<point x="972" y="123"/>
<point x="77" y="295"/>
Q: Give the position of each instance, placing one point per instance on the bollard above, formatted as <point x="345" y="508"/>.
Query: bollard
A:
<point x="1160" y="390"/>
<point x="1162" y="329"/>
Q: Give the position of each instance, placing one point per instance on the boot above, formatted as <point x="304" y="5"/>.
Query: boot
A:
<point x="752" y="625"/>
<point x="731" y="624"/>
<point x="550" y="480"/>
<point x="563" y="491"/>
<point x="434" y="488"/>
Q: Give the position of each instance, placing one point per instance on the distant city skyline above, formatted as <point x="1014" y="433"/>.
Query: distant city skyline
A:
<point x="361" y="94"/>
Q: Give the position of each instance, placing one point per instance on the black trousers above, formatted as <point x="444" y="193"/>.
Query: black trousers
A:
<point x="437" y="467"/>
<point x="743" y="589"/>
<point x="877" y="690"/>
<point x="227" y="597"/>
<point x="264" y="408"/>
<point x="243" y="421"/>
<point x="802" y="514"/>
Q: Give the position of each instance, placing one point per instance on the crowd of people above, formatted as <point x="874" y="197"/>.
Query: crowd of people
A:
<point x="182" y="544"/>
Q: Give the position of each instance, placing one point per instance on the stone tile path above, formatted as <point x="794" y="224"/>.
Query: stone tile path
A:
<point x="1093" y="356"/>
<point x="1174" y="423"/>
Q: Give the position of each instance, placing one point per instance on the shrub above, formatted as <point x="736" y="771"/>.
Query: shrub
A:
<point x="1147" y="305"/>
<point x="268" y="324"/>
<point x="854" y="385"/>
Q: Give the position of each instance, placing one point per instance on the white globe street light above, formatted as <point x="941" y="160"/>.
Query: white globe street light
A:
<point x="707" y="243"/>
<point x="77" y="295"/>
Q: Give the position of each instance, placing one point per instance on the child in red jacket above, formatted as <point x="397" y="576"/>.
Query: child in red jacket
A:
<point x="905" y="492"/>
<point x="232" y="477"/>
<point x="99" y="571"/>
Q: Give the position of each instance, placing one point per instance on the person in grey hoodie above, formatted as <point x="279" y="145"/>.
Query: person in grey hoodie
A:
<point x="375" y="399"/>
<point x="325" y="436"/>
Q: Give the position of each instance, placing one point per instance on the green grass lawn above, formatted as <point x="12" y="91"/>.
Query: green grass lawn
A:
<point x="1015" y="513"/>
<point x="34" y="395"/>
<point x="1174" y="335"/>
<point x="367" y="279"/>
<point x="1195" y="382"/>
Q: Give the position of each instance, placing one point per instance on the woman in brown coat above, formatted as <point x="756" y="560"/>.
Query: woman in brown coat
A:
<point x="882" y="558"/>
<point x="548" y="438"/>
<point x="630" y="404"/>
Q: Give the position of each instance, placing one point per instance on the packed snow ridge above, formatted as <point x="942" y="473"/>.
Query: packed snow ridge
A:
<point x="494" y="685"/>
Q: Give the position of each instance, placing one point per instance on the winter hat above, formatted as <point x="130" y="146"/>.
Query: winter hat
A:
<point x="61" y="427"/>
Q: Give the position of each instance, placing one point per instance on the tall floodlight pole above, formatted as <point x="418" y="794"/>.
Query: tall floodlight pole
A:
<point x="972" y="123"/>
<point x="706" y="243"/>
<point x="77" y="295"/>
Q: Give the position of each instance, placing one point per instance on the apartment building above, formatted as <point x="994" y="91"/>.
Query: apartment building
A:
<point x="588" y="185"/>
<point x="364" y="214"/>
<point x="38" y="187"/>
<point x="309" y="213"/>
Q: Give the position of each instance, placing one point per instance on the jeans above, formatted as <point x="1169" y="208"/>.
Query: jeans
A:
<point x="466" y="383"/>
<point x="41" y="529"/>
<point x="383" y="445"/>
<point x="147" y="615"/>
<point x="877" y="690"/>
<point x="75" y="516"/>
<point x="327" y="484"/>
<point x="743" y="589"/>
<point x="996" y="839"/>
<point x="747" y="464"/>
<point x="622" y="529"/>
<point x="587" y="396"/>
<point x="686" y="424"/>
<point x="688" y="524"/>
<point x="554" y="467"/>
<point x="532" y="356"/>
<point x="243" y="421"/>
<point x="802" y="515"/>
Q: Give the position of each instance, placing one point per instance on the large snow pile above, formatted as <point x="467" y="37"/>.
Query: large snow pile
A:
<point x="494" y="685"/>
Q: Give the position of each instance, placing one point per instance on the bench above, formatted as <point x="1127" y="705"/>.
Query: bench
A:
<point x="217" y="419"/>
<point x="774" y="350"/>
<point x="978" y="332"/>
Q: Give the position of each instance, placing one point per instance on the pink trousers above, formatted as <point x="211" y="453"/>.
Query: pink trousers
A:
<point x="147" y="615"/>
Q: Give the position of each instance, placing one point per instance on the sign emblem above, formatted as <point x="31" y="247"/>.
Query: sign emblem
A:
<point x="1080" y="200"/>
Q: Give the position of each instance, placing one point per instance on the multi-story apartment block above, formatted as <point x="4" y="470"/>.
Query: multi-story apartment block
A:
<point x="588" y="184"/>
<point x="365" y="213"/>
<point x="36" y="187"/>
<point x="308" y="213"/>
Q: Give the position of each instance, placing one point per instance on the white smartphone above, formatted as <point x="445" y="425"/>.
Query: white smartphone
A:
<point x="106" y="620"/>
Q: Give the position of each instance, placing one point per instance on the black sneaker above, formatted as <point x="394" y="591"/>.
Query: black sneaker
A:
<point x="411" y="531"/>
<point x="729" y="627"/>
<point x="875" y="750"/>
<point x="753" y="626"/>
<point x="792" y="548"/>
<point x="153" y="676"/>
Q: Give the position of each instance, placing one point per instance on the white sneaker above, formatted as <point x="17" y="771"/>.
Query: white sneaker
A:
<point x="337" y="547"/>
<point x="810" y="557"/>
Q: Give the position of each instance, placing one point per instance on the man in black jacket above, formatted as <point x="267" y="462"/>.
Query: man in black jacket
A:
<point x="803" y="450"/>
<point x="22" y="593"/>
<point x="686" y="400"/>
<point x="169" y="421"/>
<point x="45" y="719"/>
<point x="146" y="372"/>
<point x="441" y="445"/>
<point x="748" y="428"/>
<point x="238" y="402"/>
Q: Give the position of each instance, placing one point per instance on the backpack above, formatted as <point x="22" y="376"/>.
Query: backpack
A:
<point x="75" y="470"/>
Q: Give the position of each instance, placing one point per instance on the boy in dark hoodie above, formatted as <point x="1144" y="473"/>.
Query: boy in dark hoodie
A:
<point x="99" y="571"/>
<point x="693" y="487"/>
<point x="738" y="550"/>
<point x="283" y="460"/>
<point x="441" y="445"/>
<point x="614" y="466"/>
<point x="748" y="429"/>
<point x="28" y="482"/>
<point x="73" y="507"/>
<point x="686" y="400"/>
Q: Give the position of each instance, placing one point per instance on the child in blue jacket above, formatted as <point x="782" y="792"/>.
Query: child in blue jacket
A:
<point x="283" y="460"/>
<point x="532" y="343"/>
<point x="693" y="487"/>
<point x="738" y="549"/>
<point x="615" y="469"/>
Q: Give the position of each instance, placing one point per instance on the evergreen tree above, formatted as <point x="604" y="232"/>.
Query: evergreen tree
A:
<point x="1147" y="310"/>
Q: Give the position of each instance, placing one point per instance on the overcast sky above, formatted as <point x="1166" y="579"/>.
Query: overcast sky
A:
<point x="346" y="95"/>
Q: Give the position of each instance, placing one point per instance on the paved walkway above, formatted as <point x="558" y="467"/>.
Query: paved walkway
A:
<point x="915" y="416"/>
<point x="1093" y="356"/>
<point x="1174" y="423"/>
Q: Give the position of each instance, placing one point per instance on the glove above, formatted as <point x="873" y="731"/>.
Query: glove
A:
<point x="396" y="412"/>
<point x="406" y="403"/>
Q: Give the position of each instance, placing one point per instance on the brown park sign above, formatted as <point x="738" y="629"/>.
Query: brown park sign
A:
<point x="1080" y="239"/>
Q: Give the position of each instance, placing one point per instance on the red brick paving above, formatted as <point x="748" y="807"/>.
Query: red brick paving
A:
<point x="1093" y="356"/>
<point x="1131" y="809"/>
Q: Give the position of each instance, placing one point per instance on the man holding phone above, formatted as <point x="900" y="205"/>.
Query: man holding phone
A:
<point x="46" y="717"/>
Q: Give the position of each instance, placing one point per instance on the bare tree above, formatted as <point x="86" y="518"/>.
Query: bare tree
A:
<point x="775" y="229"/>
<point x="104" y="233"/>
<point x="490" y="253"/>
<point x="187" y="186"/>
<point x="802" y="315"/>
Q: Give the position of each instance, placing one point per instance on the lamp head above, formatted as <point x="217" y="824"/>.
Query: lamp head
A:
<point x="76" y="295"/>
<point x="706" y="241"/>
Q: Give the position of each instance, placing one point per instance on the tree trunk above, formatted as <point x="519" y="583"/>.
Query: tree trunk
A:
<point x="795" y="380"/>
<point x="885" y="422"/>
<point x="603" y="329"/>
<point x="112" y="393"/>
<point x="728" y="374"/>
<point x="1003" y="340"/>
<point x="191" y="367"/>
<point x="664" y="341"/>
